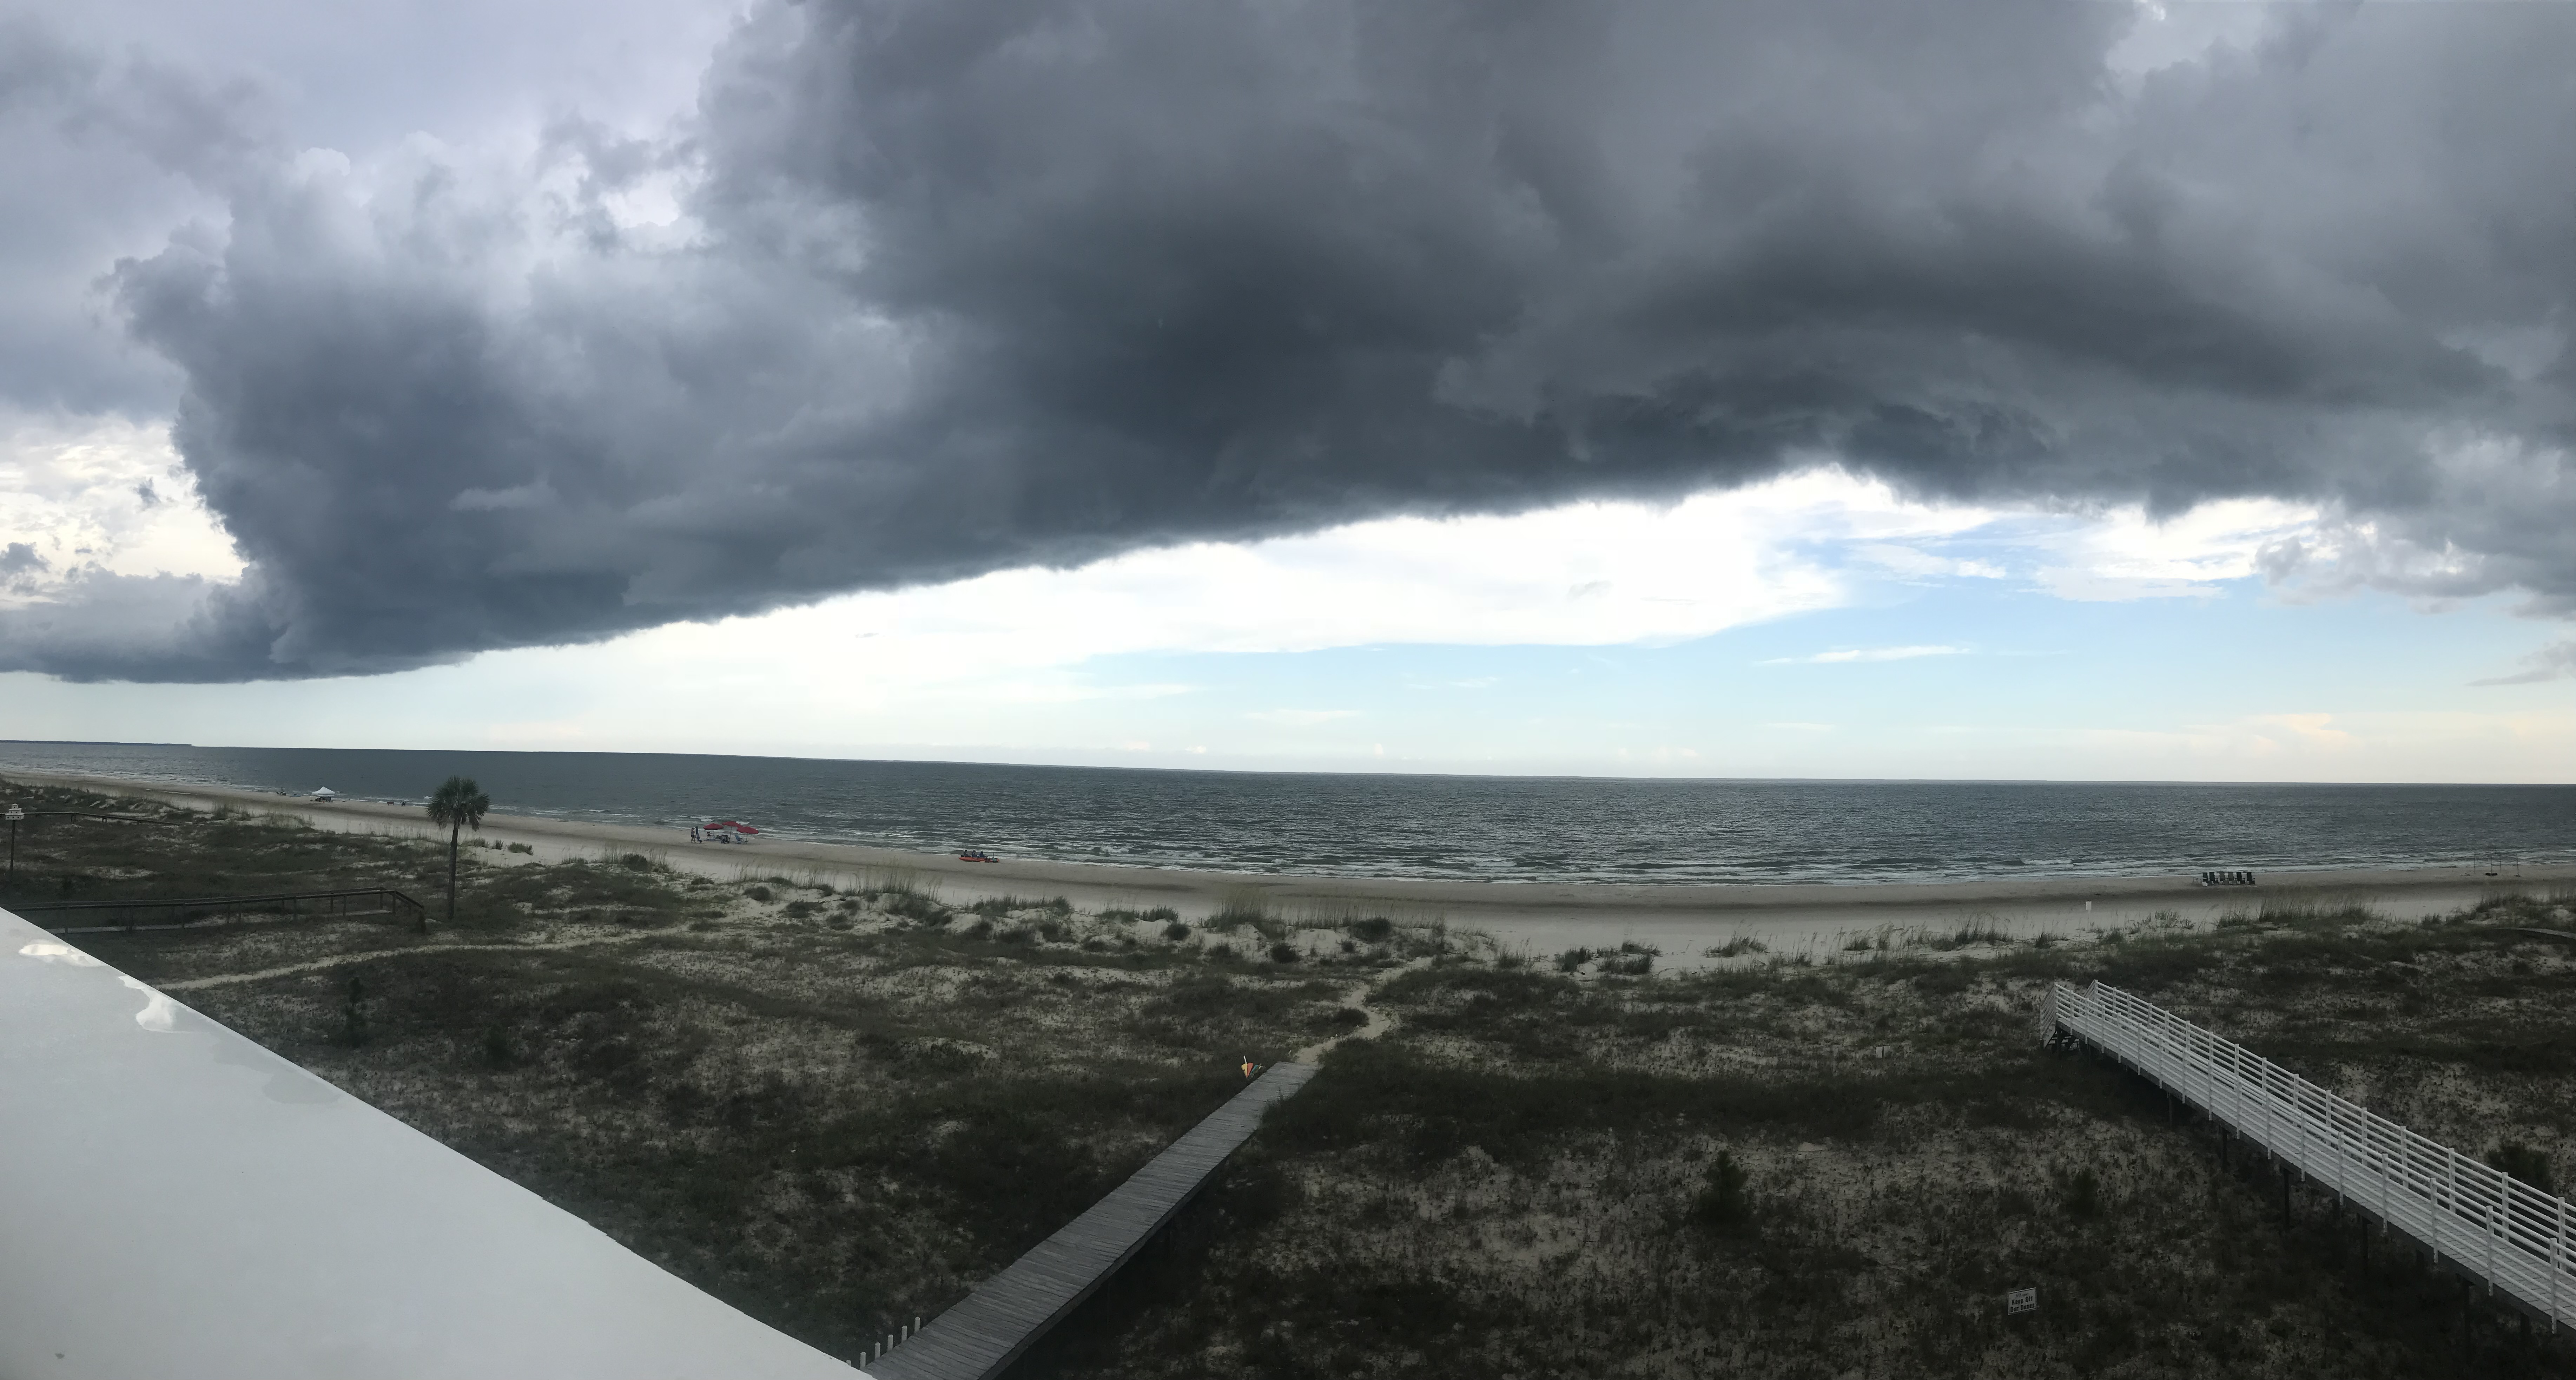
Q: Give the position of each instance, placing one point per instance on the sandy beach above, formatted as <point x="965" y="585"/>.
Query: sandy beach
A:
<point x="1680" y="921"/>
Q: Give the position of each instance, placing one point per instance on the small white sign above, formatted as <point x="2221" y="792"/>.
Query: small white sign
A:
<point x="2022" y="1301"/>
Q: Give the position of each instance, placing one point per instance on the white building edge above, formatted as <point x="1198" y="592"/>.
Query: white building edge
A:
<point x="176" y="1200"/>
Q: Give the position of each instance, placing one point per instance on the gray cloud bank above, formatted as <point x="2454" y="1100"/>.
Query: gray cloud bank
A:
<point x="982" y="283"/>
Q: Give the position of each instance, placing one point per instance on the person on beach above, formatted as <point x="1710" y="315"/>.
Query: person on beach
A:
<point x="693" y="835"/>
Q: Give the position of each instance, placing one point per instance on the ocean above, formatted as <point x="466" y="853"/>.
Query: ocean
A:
<point x="1506" y="829"/>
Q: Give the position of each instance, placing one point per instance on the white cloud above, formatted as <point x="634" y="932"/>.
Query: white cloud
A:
<point x="1864" y="654"/>
<point x="2409" y="745"/>
<point x="1038" y="664"/>
<point x="1298" y="718"/>
<point x="2124" y="554"/>
<point x="2092" y="587"/>
<point x="2166" y="35"/>
<point x="101" y="494"/>
<point x="1593" y="574"/>
<point x="2557" y="661"/>
<point x="1905" y="560"/>
<point x="980" y="661"/>
<point x="2114" y="555"/>
<point x="2499" y="483"/>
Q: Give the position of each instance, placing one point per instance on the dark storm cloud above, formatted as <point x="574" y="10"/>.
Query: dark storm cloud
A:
<point x="99" y="156"/>
<point x="989" y="282"/>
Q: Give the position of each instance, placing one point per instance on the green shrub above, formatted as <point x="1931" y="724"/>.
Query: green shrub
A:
<point x="2083" y="1195"/>
<point x="1369" y="1092"/>
<point x="353" y="1013"/>
<point x="1205" y="997"/>
<point x="1159" y="913"/>
<point x="1284" y="953"/>
<point x="2523" y="1162"/>
<point x="1234" y="913"/>
<point x="758" y="893"/>
<point x="1725" y="1201"/>
<point x="1572" y="959"/>
<point x="912" y="905"/>
<point x="798" y="910"/>
<point x="1176" y="931"/>
<point x="634" y="862"/>
<point x="1374" y="929"/>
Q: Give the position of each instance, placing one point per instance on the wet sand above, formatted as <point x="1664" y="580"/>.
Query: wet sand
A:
<point x="1545" y="918"/>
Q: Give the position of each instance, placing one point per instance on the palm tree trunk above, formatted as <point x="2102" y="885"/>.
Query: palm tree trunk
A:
<point x="453" y="830"/>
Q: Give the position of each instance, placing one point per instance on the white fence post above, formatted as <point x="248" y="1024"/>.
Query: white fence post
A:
<point x="2559" y="1257"/>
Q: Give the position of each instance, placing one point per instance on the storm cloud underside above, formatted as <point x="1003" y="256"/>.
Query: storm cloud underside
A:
<point x="961" y="286"/>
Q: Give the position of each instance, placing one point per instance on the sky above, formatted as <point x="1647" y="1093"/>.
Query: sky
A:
<point x="2001" y="390"/>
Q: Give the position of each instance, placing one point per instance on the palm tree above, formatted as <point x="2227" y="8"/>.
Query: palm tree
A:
<point x="459" y="804"/>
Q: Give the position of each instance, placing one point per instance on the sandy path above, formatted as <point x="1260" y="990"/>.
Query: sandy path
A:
<point x="1380" y="1020"/>
<point x="344" y="960"/>
<point x="1542" y="918"/>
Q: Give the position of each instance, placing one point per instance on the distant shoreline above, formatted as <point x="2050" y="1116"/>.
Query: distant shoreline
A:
<point x="1680" y="918"/>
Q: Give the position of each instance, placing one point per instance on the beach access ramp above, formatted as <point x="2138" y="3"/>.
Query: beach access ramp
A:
<point x="979" y="1337"/>
<point x="2471" y="1216"/>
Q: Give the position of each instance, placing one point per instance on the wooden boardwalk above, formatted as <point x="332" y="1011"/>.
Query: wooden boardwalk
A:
<point x="977" y="1338"/>
<point x="2519" y="1240"/>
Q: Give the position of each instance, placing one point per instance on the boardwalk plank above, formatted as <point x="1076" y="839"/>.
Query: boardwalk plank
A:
<point x="989" y="1330"/>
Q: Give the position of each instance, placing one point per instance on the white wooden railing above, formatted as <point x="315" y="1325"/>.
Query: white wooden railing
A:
<point x="2505" y="1232"/>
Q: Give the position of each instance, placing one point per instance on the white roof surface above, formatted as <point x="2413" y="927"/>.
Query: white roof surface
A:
<point x="177" y="1201"/>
